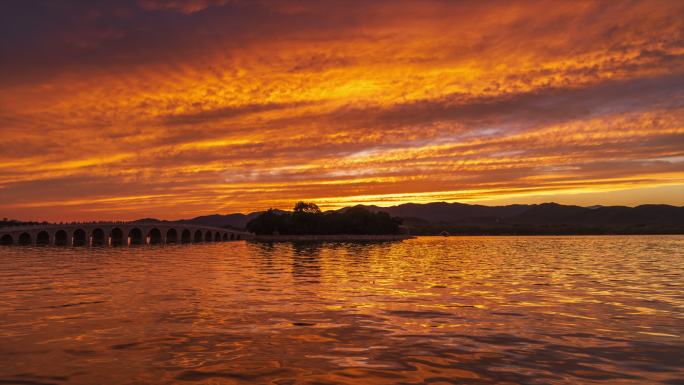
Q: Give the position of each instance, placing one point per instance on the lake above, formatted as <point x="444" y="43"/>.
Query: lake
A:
<point x="457" y="310"/>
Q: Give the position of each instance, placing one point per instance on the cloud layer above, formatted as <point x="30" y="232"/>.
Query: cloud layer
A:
<point x="177" y="108"/>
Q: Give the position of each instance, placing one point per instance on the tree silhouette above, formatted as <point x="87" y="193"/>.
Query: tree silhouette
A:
<point x="304" y="207"/>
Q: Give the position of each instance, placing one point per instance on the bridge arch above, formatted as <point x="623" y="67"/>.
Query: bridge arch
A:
<point x="6" y="240"/>
<point x="115" y="234"/>
<point x="61" y="238"/>
<point x="43" y="238"/>
<point x="186" y="237"/>
<point x="154" y="236"/>
<point x="172" y="235"/>
<point x="25" y="239"/>
<point x="136" y="236"/>
<point x="97" y="237"/>
<point x="117" y="237"/>
<point x="79" y="237"/>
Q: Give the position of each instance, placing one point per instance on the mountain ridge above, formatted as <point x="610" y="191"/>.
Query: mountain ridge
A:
<point x="437" y="215"/>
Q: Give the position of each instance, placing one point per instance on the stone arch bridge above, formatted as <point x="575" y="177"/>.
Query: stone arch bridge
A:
<point x="116" y="234"/>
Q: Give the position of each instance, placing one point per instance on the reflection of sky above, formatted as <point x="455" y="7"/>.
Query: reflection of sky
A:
<point x="518" y="310"/>
<point x="173" y="109"/>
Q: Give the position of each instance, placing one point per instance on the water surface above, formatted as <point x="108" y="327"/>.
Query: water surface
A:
<point x="460" y="310"/>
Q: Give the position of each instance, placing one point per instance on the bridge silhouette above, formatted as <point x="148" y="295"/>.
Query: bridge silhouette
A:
<point x="116" y="234"/>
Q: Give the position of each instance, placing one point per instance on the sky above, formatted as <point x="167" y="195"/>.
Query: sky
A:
<point x="173" y="109"/>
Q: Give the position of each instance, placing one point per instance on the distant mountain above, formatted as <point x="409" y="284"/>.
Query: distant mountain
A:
<point x="442" y="212"/>
<point x="147" y="220"/>
<point x="546" y="218"/>
<point x="238" y="221"/>
<point x="218" y="220"/>
<point x="539" y="214"/>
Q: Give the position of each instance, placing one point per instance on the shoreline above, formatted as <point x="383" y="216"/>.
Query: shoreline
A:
<point x="331" y="238"/>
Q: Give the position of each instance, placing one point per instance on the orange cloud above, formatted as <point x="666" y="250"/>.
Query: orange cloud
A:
<point x="172" y="109"/>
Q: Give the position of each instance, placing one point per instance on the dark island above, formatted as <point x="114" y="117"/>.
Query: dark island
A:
<point x="308" y="222"/>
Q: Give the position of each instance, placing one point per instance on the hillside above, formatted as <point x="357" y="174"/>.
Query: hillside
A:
<point x="546" y="218"/>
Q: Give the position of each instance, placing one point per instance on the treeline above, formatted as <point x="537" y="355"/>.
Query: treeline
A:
<point x="307" y="219"/>
<point x="4" y="222"/>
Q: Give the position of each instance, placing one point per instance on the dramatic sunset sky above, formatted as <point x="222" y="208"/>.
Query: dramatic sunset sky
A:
<point x="172" y="109"/>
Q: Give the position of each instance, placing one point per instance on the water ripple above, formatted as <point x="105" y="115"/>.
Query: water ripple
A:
<point x="470" y="310"/>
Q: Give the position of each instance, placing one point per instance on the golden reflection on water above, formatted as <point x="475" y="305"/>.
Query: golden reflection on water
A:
<point x="466" y="310"/>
